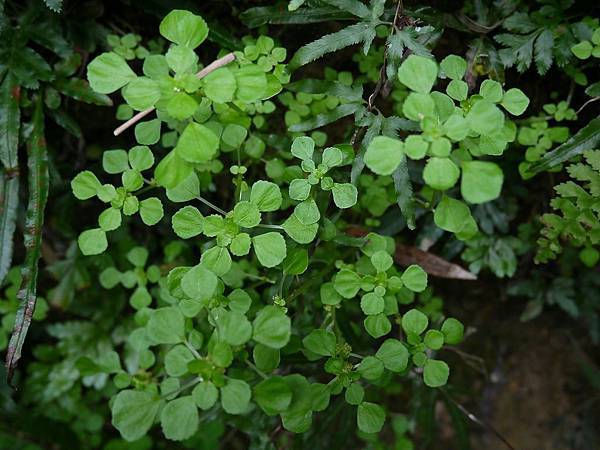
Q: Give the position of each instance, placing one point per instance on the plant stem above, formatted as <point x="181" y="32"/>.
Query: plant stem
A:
<point x="210" y="205"/>
<point x="257" y="370"/>
<point x="189" y="384"/>
<point x="273" y="227"/>
<point x="193" y="350"/>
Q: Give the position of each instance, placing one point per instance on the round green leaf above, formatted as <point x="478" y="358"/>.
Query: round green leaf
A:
<point x="187" y="222"/>
<point x="355" y="394"/>
<point x="491" y="90"/>
<point x="393" y="354"/>
<point x="92" y="242"/>
<point x="151" y="210"/>
<point x="415" y="146"/>
<point x="199" y="283"/>
<point x="115" y="161"/>
<point x="179" y="418"/>
<point x="345" y="195"/>
<point x="184" y="28"/>
<point x="371" y="368"/>
<point x="441" y="173"/>
<point x="454" y="67"/>
<point x="378" y="325"/>
<point x="266" y="196"/>
<point x="197" y="143"/>
<point x="435" y="373"/>
<point x="384" y="155"/>
<point x="251" y="83"/>
<point x="370" y="417"/>
<point x="233" y="327"/>
<point x="147" y="133"/>
<point x="246" y="214"/>
<point x="303" y="147"/>
<point x="299" y="232"/>
<point x="240" y="244"/>
<point x="110" y="219"/>
<point x="372" y="304"/>
<point x="458" y="90"/>
<point x="176" y="361"/>
<point x="417" y="106"/>
<point x="418" y="73"/>
<point x="272" y="327"/>
<point x="235" y="396"/>
<point x="434" y="339"/>
<point x="582" y="50"/>
<point x="133" y="413"/>
<point x="220" y="85"/>
<point x="141" y="93"/>
<point x="166" y="326"/>
<point x="217" y="259"/>
<point x="205" y="395"/>
<point x="140" y="158"/>
<point x="320" y="342"/>
<point x="451" y="214"/>
<point x="307" y="212"/>
<point x="481" y="181"/>
<point x="273" y="395"/>
<point x="172" y="170"/>
<point x="85" y="185"/>
<point x="347" y="283"/>
<point x="414" y="321"/>
<point x="270" y="248"/>
<point x="109" y="72"/>
<point x="515" y="101"/>
<point x="453" y="331"/>
<point x="299" y="189"/>
<point x="484" y="117"/>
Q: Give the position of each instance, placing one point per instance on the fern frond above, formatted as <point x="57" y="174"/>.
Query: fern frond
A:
<point x="351" y="35"/>
<point x="354" y="7"/>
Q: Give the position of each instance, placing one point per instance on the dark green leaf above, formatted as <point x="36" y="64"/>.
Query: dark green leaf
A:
<point x="586" y="138"/>
<point x="261" y="15"/>
<point x="37" y="164"/>
<point x="351" y="35"/>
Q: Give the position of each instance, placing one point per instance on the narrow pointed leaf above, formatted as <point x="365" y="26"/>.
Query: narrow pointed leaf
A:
<point x="37" y="165"/>
<point x="585" y="139"/>
<point x="9" y="168"/>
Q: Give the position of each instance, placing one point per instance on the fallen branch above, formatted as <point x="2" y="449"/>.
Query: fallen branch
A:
<point x="216" y="64"/>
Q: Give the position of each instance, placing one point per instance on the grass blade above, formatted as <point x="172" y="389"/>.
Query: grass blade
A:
<point x="261" y="15"/>
<point x="37" y="164"/>
<point x="586" y="138"/>
<point x="10" y="121"/>
<point x="9" y="200"/>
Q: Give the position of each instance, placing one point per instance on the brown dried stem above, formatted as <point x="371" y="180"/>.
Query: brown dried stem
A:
<point x="216" y="64"/>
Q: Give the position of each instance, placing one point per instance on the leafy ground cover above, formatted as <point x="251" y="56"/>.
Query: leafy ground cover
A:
<point x="299" y="224"/>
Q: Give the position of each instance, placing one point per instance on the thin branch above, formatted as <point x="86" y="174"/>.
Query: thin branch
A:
<point x="217" y="64"/>
<point x="472" y="417"/>
<point x="257" y="370"/>
<point x="359" y="133"/>
<point x="267" y="225"/>
<point x="591" y="100"/>
<point x="211" y="205"/>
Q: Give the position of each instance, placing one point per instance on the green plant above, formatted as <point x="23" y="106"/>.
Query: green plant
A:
<point x="32" y="89"/>
<point x="265" y="267"/>
<point x="195" y="341"/>
<point x="577" y="218"/>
